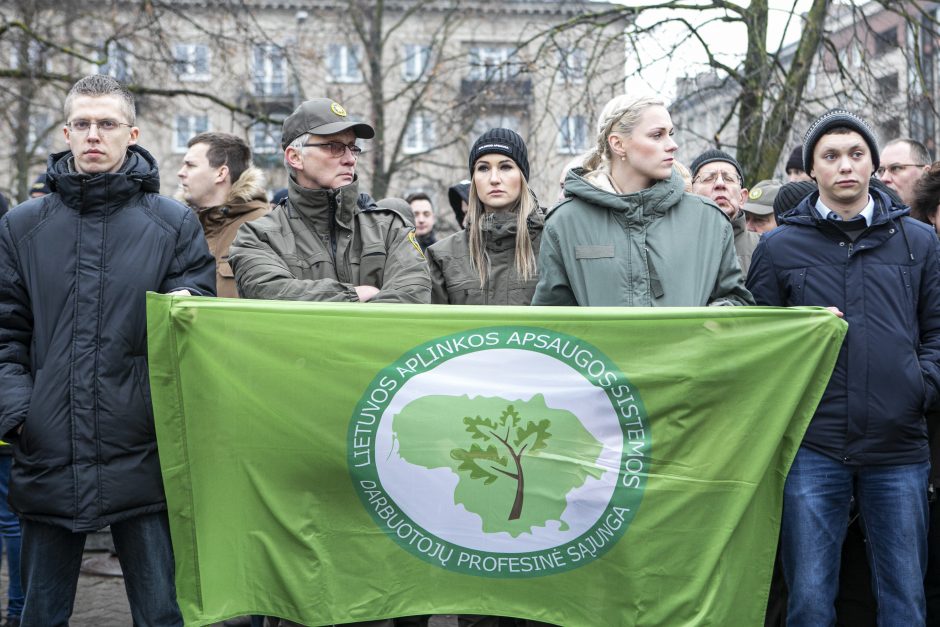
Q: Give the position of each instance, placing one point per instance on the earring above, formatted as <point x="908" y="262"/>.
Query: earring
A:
<point x="623" y="157"/>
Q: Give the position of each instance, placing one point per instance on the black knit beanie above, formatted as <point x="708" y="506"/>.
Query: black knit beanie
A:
<point x="714" y="154"/>
<point x="836" y="118"/>
<point x="795" y="162"/>
<point x="501" y="141"/>
<point x="790" y="195"/>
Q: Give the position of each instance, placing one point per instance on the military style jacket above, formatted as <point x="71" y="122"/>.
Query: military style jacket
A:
<point x="659" y="247"/>
<point x="321" y="244"/>
<point x="456" y="282"/>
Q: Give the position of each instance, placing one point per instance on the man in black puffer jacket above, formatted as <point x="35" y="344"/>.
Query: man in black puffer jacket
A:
<point x="75" y="266"/>
<point x="853" y="249"/>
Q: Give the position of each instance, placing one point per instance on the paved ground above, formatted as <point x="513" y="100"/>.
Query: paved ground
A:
<point x="101" y="601"/>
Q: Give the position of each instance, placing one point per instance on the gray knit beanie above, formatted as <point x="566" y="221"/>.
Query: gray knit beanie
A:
<point x="838" y="118"/>
<point x="711" y="155"/>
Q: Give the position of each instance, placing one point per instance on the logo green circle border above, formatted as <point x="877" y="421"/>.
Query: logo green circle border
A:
<point x="623" y="497"/>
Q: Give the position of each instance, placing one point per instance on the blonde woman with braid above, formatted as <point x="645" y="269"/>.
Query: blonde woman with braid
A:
<point x="492" y="261"/>
<point x="627" y="233"/>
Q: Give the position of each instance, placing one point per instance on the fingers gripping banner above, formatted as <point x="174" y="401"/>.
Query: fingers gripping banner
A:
<point x="330" y="463"/>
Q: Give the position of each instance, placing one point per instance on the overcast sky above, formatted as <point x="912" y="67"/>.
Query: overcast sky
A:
<point x="727" y="42"/>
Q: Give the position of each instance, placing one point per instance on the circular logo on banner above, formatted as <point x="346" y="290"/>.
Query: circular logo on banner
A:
<point x="501" y="452"/>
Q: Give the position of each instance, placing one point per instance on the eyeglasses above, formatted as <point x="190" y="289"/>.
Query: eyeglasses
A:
<point x="338" y="149"/>
<point x="896" y="168"/>
<point x="103" y="126"/>
<point x="709" y="178"/>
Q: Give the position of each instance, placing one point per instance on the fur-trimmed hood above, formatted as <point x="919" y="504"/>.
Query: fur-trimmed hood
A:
<point x="247" y="194"/>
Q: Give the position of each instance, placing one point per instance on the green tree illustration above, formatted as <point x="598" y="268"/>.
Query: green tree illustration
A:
<point x="516" y="437"/>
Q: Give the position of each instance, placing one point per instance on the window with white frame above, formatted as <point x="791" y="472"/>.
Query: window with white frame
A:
<point x="419" y="136"/>
<point x="572" y="135"/>
<point x="191" y="62"/>
<point x="266" y="137"/>
<point x="185" y="127"/>
<point x="496" y="120"/>
<point x="269" y="71"/>
<point x="493" y="63"/>
<point x="343" y="62"/>
<point x="416" y="60"/>
<point x="40" y="125"/>
<point x="117" y="62"/>
<point x="572" y="65"/>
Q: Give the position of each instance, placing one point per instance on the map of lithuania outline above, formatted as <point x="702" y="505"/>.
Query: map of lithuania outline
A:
<point x="528" y="455"/>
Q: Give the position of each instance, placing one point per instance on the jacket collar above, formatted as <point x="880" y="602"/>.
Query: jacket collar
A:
<point x="318" y="206"/>
<point x="499" y="228"/>
<point x="105" y="191"/>
<point x="246" y="195"/>
<point x="885" y="210"/>
<point x="645" y="204"/>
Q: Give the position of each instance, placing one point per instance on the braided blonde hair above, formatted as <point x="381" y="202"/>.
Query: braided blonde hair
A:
<point x="620" y="115"/>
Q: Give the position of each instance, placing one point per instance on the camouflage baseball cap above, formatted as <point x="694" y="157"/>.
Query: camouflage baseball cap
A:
<point x="321" y="116"/>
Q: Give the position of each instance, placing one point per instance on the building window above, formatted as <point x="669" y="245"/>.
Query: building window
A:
<point x="185" y="127"/>
<point x="572" y="135"/>
<point x="493" y="63"/>
<point x="343" y="63"/>
<point x="495" y="120"/>
<point x="117" y="62"/>
<point x="266" y="138"/>
<point x="571" y="65"/>
<point x="886" y="41"/>
<point x="191" y="62"/>
<point x="269" y="71"/>
<point x="419" y="136"/>
<point x="40" y="126"/>
<point x="416" y="61"/>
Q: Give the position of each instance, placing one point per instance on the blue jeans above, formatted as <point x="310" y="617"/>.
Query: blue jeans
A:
<point x="52" y="558"/>
<point x="892" y="502"/>
<point x="10" y="535"/>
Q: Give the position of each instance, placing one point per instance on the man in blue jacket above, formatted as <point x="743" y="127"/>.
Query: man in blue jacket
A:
<point x="75" y="266"/>
<point x="852" y="249"/>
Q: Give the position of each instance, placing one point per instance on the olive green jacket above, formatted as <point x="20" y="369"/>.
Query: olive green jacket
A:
<point x="321" y="244"/>
<point x="455" y="282"/>
<point x="657" y="247"/>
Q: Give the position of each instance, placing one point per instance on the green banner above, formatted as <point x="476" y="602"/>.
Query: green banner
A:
<point x="331" y="463"/>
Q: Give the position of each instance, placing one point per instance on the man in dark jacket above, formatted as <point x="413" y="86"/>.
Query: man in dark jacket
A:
<point x="75" y="266"/>
<point x="851" y="248"/>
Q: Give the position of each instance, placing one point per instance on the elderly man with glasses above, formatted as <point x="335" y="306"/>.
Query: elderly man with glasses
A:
<point x="329" y="241"/>
<point x="903" y="162"/>
<point x="716" y="175"/>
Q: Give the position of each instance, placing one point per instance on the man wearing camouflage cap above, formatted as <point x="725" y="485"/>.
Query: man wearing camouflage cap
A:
<point x="329" y="241"/>
<point x="759" y="207"/>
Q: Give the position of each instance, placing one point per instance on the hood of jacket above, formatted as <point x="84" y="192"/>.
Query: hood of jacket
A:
<point x="103" y="191"/>
<point x="596" y="189"/>
<point x="247" y="194"/>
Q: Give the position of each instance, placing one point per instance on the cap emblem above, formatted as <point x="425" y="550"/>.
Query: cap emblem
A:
<point x="338" y="109"/>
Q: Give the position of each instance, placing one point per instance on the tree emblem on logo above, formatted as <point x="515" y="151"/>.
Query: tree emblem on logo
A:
<point x="508" y="440"/>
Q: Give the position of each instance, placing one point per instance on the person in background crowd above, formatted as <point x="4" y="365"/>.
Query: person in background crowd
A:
<point x="39" y="187"/>
<point x="716" y="175"/>
<point x="794" y="168"/>
<point x="10" y="531"/>
<point x="423" y="210"/>
<point x="458" y="196"/>
<point x="924" y="208"/>
<point x="573" y="163"/>
<point x="493" y="260"/>
<point x="326" y="219"/>
<point x="627" y="234"/>
<point x="903" y="162"/>
<point x="790" y="195"/>
<point x="219" y="183"/>
<point x="75" y="267"/>
<point x="852" y="249"/>
<point x="759" y="207"/>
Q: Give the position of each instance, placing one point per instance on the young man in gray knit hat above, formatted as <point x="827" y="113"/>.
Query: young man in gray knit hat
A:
<point x="852" y="248"/>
